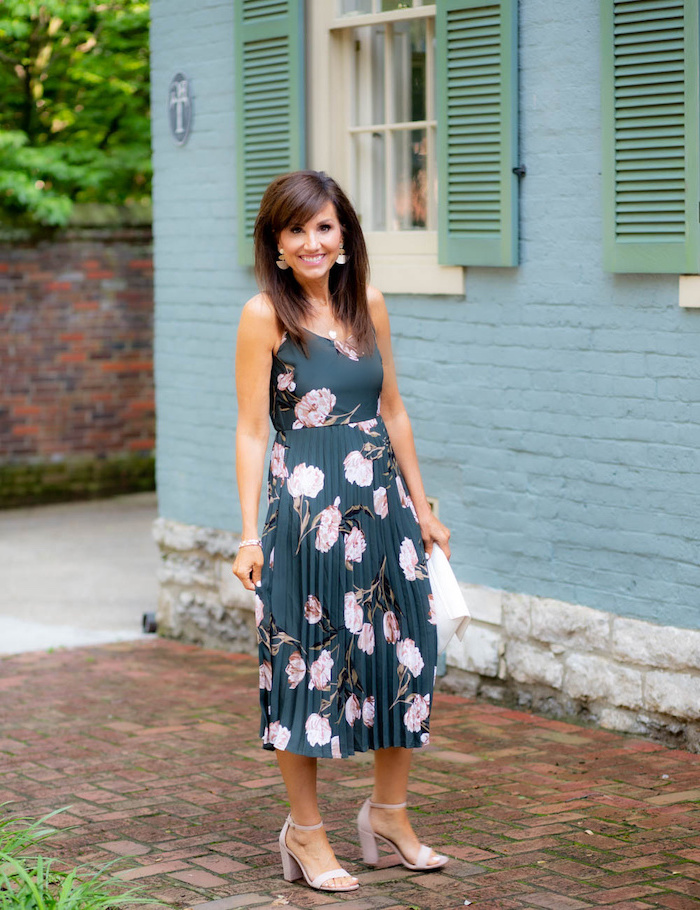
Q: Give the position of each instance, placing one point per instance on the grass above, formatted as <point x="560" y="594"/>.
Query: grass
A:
<point x="31" y="881"/>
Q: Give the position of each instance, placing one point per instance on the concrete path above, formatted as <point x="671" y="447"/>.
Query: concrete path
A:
<point x="76" y="573"/>
<point x="154" y="747"/>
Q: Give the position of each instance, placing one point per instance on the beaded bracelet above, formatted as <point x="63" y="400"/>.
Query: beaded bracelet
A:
<point x="252" y="542"/>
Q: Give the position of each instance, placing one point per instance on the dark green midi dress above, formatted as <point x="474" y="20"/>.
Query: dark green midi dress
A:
<point x="347" y="641"/>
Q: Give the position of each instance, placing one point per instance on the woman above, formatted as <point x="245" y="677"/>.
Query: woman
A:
<point x="347" y="646"/>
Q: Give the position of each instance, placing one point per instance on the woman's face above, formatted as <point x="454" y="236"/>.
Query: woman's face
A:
<point x="311" y="249"/>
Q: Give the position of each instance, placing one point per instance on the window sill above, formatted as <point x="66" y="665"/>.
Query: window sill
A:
<point x="407" y="263"/>
<point x="689" y="291"/>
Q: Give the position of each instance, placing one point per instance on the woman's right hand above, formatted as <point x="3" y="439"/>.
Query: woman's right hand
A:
<point x="247" y="566"/>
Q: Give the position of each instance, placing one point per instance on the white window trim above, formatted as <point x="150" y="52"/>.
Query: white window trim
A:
<point x="689" y="291"/>
<point x="402" y="262"/>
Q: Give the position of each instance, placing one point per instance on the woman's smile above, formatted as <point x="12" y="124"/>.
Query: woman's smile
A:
<point x="314" y="245"/>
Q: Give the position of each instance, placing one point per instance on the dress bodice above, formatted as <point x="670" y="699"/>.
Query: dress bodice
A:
<point x="332" y="386"/>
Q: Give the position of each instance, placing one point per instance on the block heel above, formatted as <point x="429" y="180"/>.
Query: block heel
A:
<point x="368" y="842"/>
<point x="293" y="869"/>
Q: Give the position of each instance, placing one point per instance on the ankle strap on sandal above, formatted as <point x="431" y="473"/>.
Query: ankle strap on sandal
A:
<point x="293" y="824"/>
<point x="387" y="805"/>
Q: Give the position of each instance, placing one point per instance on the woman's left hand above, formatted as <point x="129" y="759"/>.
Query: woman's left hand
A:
<point x="434" y="531"/>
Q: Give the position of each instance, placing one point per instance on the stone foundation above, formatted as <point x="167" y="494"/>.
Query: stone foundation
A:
<point x="541" y="654"/>
<point x="200" y="600"/>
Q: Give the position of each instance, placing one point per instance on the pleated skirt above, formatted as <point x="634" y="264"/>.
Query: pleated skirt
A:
<point x="347" y="642"/>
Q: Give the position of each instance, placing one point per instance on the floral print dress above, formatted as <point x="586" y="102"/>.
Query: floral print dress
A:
<point x="346" y="635"/>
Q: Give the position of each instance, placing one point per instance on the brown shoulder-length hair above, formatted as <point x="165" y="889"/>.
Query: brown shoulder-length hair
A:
<point x="293" y="199"/>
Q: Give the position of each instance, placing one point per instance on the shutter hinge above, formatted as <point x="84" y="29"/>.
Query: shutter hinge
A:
<point x="519" y="171"/>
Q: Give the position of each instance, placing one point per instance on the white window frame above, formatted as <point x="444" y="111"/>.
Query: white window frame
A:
<point x="402" y="262"/>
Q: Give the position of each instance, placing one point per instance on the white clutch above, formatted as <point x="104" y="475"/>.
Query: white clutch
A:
<point x="451" y="611"/>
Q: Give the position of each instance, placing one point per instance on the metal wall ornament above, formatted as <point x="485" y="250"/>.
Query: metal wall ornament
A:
<point x="180" y="108"/>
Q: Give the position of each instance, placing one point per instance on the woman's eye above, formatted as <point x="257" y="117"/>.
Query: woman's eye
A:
<point x="295" y="230"/>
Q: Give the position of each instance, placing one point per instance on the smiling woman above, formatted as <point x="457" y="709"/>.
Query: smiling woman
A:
<point x="346" y="633"/>
<point x="305" y="233"/>
<point x="313" y="248"/>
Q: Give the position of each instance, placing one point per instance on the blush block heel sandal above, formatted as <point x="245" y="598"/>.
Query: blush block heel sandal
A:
<point x="369" y="837"/>
<point x="294" y="869"/>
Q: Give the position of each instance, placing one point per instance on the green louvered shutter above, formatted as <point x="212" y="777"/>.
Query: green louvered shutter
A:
<point x="477" y="75"/>
<point x="269" y="102"/>
<point x="650" y="135"/>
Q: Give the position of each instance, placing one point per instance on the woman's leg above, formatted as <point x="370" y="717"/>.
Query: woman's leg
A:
<point x="391" y="769"/>
<point x="311" y="847"/>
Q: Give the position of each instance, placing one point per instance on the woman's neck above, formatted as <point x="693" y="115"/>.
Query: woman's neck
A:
<point x="316" y="292"/>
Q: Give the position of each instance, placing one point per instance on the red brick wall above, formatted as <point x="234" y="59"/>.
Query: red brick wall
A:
<point x="76" y="346"/>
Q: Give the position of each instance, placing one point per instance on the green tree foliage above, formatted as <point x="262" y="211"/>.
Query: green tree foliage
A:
<point x="74" y="118"/>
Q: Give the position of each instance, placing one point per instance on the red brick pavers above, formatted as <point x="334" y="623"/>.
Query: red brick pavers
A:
<point x="154" y="747"/>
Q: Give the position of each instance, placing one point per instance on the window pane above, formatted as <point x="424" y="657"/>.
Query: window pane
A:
<point x="368" y="87"/>
<point x="409" y="71"/>
<point x="369" y="185"/>
<point x="348" y="7"/>
<point x="388" y="5"/>
<point x="410" y="169"/>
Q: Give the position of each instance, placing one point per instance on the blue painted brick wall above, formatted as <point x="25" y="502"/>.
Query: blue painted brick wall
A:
<point x="555" y="408"/>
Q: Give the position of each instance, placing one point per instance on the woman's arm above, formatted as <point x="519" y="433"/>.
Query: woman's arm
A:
<point x="399" y="429"/>
<point x="258" y="335"/>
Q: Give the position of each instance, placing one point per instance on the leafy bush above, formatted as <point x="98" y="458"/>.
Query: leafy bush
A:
<point x="74" y="123"/>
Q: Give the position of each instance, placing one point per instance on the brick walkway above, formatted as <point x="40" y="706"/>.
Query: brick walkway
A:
<point x="154" y="747"/>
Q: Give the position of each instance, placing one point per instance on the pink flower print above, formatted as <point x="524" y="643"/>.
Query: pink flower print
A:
<point x="432" y="618"/>
<point x="392" y="633"/>
<point x="328" y="526"/>
<point x="353" y="711"/>
<point x="408" y="558"/>
<point x="286" y="381"/>
<point x="320" y="671"/>
<point x="365" y="641"/>
<point x="353" y="613"/>
<point x="277" y="465"/>
<point x="318" y="730"/>
<point x="305" y="481"/>
<point x="313" y="409"/>
<point x="355" y="545"/>
<point x="425" y="738"/>
<point x="346" y="349"/>
<point x="367" y="425"/>
<point x="295" y="669"/>
<point x="277" y="735"/>
<point x="405" y="499"/>
<point x="416" y="713"/>
<point x="381" y="503"/>
<point x="265" y="676"/>
<point x="312" y="609"/>
<point x="409" y="655"/>
<point x="401" y="490"/>
<point x="335" y="748"/>
<point x="358" y="469"/>
<point x="272" y="558"/>
<point x="259" y="610"/>
<point x="368" y="711"/>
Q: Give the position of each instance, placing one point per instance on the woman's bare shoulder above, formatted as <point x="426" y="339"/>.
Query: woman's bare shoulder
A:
<point x="259" y="308"/>
<point x="258" y="316"/>
<point x="377" y="308"/>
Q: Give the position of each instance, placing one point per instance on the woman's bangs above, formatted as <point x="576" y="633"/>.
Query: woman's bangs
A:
<point x="301" y="205"/>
